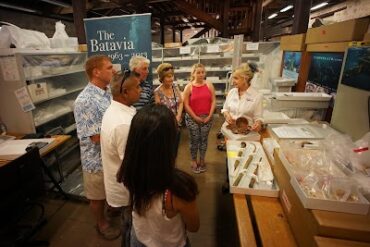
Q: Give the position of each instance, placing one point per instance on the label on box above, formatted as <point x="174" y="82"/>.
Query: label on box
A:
<point x="213" y="48"/>
<point x="286" y="201"/>
<point x="24" y="99"/>
<point x="185" y="50"/>
<point x="252" y="46"/>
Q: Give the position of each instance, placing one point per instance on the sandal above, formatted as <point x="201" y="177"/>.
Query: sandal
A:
<point x="109" y="233"/>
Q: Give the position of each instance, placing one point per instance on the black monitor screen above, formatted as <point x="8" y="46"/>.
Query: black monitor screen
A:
<point x="356" y="71"/>
<point x="325" y="70"/>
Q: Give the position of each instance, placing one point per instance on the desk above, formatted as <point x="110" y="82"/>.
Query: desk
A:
<point x="59" y="140"/>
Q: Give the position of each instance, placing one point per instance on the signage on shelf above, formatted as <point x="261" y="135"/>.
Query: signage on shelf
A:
<point x="252" y="46"/>
<point x="185" y="50"/>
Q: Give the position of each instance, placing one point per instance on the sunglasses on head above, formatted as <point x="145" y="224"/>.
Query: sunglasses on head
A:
<point x="167" y="69"/>
<point x="126" y="74"/>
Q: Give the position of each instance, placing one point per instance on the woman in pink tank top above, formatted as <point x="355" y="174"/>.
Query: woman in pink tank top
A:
<point x="199" y="103"/>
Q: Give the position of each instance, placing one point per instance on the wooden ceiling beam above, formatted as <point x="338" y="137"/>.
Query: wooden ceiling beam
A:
<point x="199" y="14"/>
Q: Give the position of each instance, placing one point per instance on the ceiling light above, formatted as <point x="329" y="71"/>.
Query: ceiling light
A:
<point x="58" y="3"/>
<point x="286" y="8"/>
<point x="319" y="5"/>
<point x="272" y="16"/>
<point x="157" y="23"/>
<point x="9" y="6"/>
<point x="184" y="19"/>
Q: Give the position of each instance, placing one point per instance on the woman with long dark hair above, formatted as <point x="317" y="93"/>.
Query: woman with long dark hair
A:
<point x="163" y="197"/>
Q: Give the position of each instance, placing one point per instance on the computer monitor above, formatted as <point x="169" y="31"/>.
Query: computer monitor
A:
<point x="324" y="72"/>
<point x="356" y="72"/>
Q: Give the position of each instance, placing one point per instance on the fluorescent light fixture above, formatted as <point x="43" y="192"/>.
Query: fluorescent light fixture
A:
<point x="319" y="5"/>
<point x="57" y="3"/>
<point x="9" y="6"/>
<point x="272" y="16"/>
<point x="184" y="19"/>
<point x="286" y="8"/>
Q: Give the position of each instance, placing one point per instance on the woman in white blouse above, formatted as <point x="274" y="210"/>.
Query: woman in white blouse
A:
<point x="243" y="100"/>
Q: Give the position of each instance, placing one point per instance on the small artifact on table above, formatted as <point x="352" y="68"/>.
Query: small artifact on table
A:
<point x="240" y="127"/>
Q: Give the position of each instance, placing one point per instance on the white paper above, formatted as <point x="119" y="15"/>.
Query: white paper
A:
<point x="9" y="68"/>
<point x="252" y="46"/>
<point x="185" y="50"/>
<point x="213" y="48"/>
<point x="293" y="132"/>
<point x="24" y="99"/>
<point x="12" y="149"/>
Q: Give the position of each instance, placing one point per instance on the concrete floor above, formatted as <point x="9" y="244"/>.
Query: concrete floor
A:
<point x="71" y="224"/>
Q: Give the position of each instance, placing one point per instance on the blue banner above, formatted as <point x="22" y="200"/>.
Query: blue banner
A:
<point x="120" y="37"/>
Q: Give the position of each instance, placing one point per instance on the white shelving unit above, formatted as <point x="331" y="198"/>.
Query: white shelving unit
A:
<point x="60" y="76"/>
<point x="217" y="58"/>
<point x="217" y="61"/>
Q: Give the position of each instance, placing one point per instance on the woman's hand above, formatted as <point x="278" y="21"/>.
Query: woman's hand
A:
<point x="228" y="118"/>
<point x="178" y="119"/>
<point x="207" y="119"/>
<point x="198" y="120"/>
<point x="257" y="126"/>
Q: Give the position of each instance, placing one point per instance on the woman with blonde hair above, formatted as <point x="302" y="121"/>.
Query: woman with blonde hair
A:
<point x="200" y="103"/>
<point x="243" y="100"/>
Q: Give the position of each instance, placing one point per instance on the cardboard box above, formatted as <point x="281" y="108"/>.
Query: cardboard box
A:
<point x="328" y="47"/>
<point x="334" y="242"/>
<point x="307" y="223"/>
<point x="293" y="42"/>
<point x="338" y="32"/>
<point x="367" y="36"/>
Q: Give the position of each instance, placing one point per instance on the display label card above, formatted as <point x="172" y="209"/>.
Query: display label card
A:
<point x="213" y="48"/>
<point x="252" y="46"/>
<point x="24" y="99"/>
<point x="185" y="50"/>
<point x="9" y="68"/>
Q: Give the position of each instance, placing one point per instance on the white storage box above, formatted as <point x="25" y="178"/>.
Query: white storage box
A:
<point x="299" y="100"/>
<point x="281" y="84"/>
<point x="249" y="170"/>
<point x="359" y="207"/>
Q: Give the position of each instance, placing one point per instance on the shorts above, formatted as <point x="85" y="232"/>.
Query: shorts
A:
<point x="94" y="185"/>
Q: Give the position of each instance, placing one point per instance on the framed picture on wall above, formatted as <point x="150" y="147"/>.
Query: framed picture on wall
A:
<point x="291" y="64"/>
<point x="356" y="72"/>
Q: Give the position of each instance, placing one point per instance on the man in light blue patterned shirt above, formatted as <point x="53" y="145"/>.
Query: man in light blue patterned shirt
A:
<point x="89" y="109"/>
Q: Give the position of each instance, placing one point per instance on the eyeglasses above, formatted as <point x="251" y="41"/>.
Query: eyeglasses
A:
<point x="126" y="73"/>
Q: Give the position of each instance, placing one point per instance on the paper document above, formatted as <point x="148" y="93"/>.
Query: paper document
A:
<point x="293" y="132"/>
<point x="12" y="149"/>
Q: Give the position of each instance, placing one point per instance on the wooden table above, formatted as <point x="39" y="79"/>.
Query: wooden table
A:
<point x="261" y="220"/>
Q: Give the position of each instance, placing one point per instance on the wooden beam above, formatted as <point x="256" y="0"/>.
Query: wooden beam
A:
<point x="79" y="13"/>
<point x="199" y="14"/>
<point x="161" y="21"/>
<point x="302" y="10"/>
<point x="257" y="21"/>
<point x="225" y="28"/>
<point x="197" y="35"/>
<point x="245" y="31"/>
<point x="173" y="34"/>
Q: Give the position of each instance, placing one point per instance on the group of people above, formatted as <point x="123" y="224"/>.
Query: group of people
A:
<point x="129" y="146"/>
